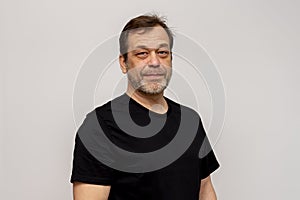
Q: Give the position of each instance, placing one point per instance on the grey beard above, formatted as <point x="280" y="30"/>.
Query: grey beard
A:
<point x="151" y="88"/>
<point x="144" y="89"/>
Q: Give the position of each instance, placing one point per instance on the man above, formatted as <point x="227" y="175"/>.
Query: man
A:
<point x="145" y="46"/>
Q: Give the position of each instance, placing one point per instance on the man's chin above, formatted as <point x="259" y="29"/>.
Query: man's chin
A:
<point x="152" y="90"/>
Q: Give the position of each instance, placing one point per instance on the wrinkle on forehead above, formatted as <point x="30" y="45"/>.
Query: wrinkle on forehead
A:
<point x="148" y="46"/>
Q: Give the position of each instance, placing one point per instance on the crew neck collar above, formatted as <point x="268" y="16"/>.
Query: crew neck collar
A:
<point x="146" y="109"/>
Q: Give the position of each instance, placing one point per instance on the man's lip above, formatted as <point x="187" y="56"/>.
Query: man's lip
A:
<point x="153" y="75"/>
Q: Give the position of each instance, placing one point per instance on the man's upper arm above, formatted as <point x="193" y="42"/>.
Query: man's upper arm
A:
<point x="91" y="178"/>
<point x="84" y="191"/>
<point x="207" y="191"/>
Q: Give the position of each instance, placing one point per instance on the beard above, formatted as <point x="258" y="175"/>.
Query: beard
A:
<point x="153" y="86"/>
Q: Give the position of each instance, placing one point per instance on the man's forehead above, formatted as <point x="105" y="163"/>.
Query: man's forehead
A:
<point x="150" y="38"/>
<point x="149" y="45"/>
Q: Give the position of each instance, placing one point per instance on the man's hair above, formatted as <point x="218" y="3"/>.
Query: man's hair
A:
<point x="142" y="22"/>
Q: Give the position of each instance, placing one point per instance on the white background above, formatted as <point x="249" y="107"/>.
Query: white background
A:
<point x="255" y="45"/>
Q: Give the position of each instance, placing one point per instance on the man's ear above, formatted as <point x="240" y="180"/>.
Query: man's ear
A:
<point x="123" y="64"/>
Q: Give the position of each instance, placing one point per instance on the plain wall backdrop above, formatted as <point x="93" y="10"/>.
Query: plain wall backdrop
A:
<point x="255" y="45"/>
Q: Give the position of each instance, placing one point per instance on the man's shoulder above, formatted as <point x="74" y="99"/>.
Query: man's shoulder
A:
<point x="115" y="105"/>
<point x="179" y="107"/>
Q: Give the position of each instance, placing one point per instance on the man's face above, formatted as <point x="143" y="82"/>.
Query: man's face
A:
<point x="149" y="64"/>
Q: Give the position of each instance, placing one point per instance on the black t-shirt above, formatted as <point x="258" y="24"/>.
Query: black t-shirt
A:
<point x="179" y="180"/>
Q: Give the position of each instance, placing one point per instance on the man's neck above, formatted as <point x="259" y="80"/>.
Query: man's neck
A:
<point x="153" y="102"/>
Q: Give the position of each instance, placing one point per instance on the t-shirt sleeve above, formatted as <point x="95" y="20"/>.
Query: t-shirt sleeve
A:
<point x="86" y="168"/>
<point x="208" y="165"/>
<point x="208" y="160"/>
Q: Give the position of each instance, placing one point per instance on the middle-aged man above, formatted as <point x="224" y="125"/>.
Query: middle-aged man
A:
<point x="98" y="174"/>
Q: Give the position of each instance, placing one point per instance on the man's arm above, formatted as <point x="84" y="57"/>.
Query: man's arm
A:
<point x="207" y="191"/>
<point x="83" y="191"/>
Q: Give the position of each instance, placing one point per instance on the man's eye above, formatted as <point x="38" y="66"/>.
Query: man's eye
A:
<point x="163" y="53"/>
<point x="142" y="54"/>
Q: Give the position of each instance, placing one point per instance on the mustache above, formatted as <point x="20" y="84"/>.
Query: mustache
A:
<point x="157" y="71"/>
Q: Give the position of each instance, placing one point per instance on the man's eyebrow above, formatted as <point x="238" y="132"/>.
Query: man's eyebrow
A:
<point x="145" y="47"/>
<point x="164" y="45"/>
<point x="141" y="47"/>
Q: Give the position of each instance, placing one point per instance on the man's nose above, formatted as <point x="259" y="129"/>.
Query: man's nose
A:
<point x="154" y="60"/>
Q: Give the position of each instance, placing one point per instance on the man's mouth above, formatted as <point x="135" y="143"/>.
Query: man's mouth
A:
<point x="153" y="76"/>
